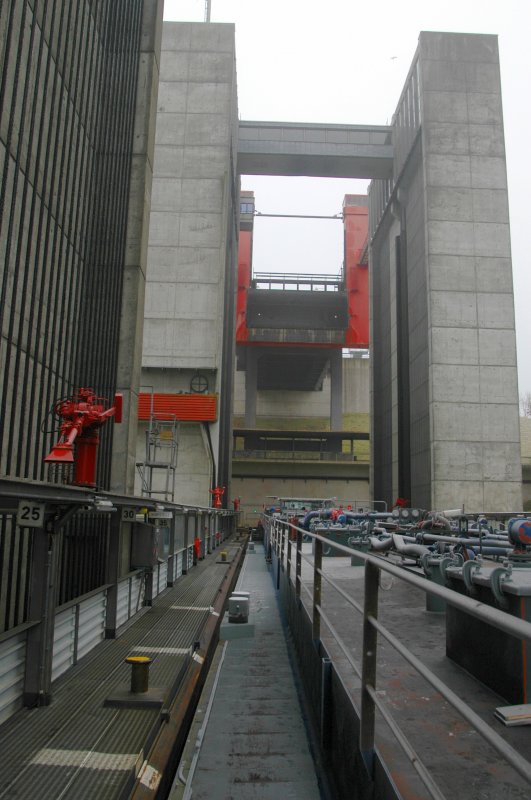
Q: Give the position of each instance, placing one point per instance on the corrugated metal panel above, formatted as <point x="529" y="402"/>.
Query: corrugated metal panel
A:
<point x="91" y="626"/>
<point x="163" y="576"/>
<point x="178" y="561"/>
<point x="138" y="590"/>
<point x="12" y="662"/>
<point x="187" y="407"/>
<point x="171" y="569"/>
<point x="122" y="602"/>
<point x="154" y="582"/>
<point x="64" y="638"/>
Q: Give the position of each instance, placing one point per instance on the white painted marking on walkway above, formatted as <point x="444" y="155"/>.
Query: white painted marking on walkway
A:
<point x="84" y="758"/>
<point x="190" y="608"/>
<point x="168" y="651"/>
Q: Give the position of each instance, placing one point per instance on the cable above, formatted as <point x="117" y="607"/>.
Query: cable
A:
<point x="300" y="216"/>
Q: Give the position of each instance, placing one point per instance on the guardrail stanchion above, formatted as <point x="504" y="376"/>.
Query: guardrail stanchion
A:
<point x="368" y="671"/>
<point x="288" y="565"/>
<point x="317" y="566"/>
<point x="280" y="545"/>
<point x="298" y="567"/>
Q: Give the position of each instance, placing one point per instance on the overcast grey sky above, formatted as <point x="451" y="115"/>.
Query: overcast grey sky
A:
<point x="345" y="62"/>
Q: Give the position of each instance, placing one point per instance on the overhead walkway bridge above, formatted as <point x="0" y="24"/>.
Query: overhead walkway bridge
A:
<point x="316" y="150"/>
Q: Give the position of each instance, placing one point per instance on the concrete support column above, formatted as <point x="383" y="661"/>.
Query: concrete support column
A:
<point x="113" y="575"/>
<point x="336" y="391"/>
<point x="39" y="643"/>
<point x="251" y="389"/>
<point x="188" y="539"/>
<point x="171" y="558"/>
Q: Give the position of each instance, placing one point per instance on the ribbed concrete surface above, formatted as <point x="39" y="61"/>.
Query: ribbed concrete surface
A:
<point x="255" y="746"/>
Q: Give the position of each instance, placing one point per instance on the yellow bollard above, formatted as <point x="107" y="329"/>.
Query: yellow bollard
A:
<point x="139" y="673"/>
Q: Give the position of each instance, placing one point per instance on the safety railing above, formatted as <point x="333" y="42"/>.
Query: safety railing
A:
<point x="278" y="538"/>
<point x="296" y="282"/>
<point x="297" y="455"/>
<point x="49" y="575"/>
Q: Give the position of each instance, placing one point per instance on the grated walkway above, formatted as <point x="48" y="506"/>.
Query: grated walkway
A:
<point x="78" y="748"/>
<point x="248" y="740"/>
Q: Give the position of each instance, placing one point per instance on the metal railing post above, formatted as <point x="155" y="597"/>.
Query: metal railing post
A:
<point x="113" y="575"/>
<point x="317" y="566"/>
<point x="298" y="568"/>
<point x="288" y="565"/>
<point x="368" y="670"/>
<point x="282" y="546"/>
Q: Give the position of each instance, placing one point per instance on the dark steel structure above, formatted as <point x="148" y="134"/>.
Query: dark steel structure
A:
<point x="67" y="104"/>
<point x="68" y="87"/>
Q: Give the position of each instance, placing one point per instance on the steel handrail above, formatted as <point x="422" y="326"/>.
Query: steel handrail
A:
<point x="499" y="619"/>
<point x="492" y="616"/>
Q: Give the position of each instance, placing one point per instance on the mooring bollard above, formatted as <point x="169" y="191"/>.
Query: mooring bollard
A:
<point x="139" y="673"/>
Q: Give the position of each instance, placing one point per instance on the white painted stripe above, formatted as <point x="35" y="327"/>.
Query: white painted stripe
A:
<point x="190" y="608"/>
<point x="169" y="651"/>
<point x="85" y="758"/>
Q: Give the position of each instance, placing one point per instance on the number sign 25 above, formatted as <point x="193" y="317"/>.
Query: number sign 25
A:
<point x="30" y="514"/>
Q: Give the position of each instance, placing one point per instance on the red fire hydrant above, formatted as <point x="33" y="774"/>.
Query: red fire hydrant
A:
<point x="82" y="415"/>
<point x="217" y="493"/>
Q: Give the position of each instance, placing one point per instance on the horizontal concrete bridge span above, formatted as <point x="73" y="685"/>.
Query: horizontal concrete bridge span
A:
<point x="325" y="151"/>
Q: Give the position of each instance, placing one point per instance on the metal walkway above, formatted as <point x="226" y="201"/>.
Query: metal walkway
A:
<point x="248" y="740"/>
<point x="78" y="748"/>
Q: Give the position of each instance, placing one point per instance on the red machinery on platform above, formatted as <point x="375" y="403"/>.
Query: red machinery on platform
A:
<point x="356" y="225"/>
<point x="355" y="277"/>
<point x="217" y="494"/>
<point x="82" y="415"/>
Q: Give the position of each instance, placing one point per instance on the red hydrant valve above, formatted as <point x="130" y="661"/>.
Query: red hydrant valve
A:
<point x="82" y="415"/>
<point x="217" y="493"/>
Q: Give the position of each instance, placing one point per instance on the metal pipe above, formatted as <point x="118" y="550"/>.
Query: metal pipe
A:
<point x="492" y="616"/>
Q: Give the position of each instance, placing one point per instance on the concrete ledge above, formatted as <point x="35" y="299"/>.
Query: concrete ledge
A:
<point x="232" y="630"/>
<point x="124" y="698"/>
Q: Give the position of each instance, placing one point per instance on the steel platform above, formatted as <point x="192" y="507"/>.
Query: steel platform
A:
<point x="79" y="747"/>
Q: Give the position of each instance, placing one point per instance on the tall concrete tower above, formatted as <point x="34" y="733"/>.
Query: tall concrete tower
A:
<point x="445" y="424"/>
<point x="188" y="344"/>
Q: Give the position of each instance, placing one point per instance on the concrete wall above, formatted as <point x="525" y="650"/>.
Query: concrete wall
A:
<point x="193" y="470"/>
<point x="253" y="492"/>
<point x="192" y="238"/>
<point x="133" y="290"/>
<point x="452" y="209"/>
<point x="310" y="404"/>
